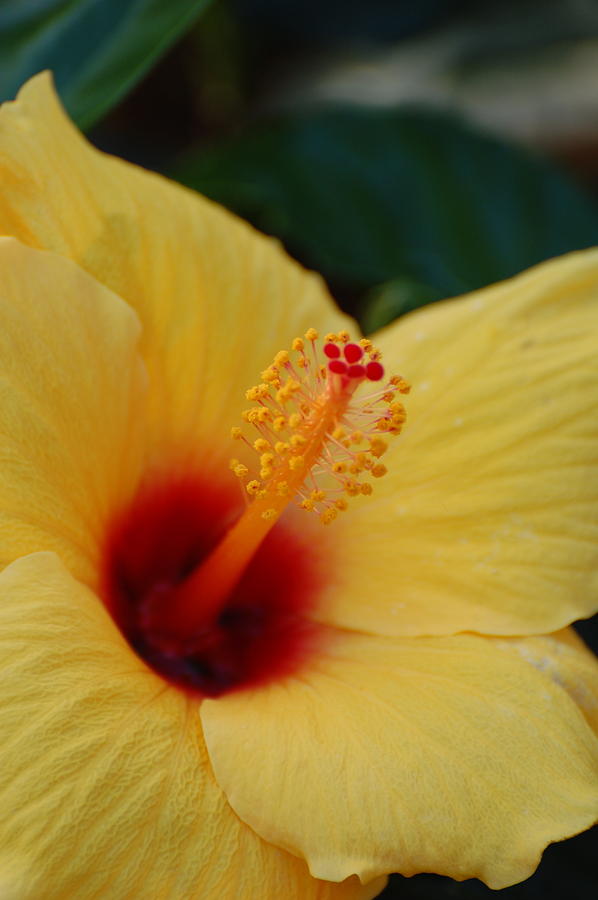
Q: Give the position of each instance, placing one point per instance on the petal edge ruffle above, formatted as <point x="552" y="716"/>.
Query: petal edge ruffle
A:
<point x="72" y="393"/>
<point x="446" y="755"/>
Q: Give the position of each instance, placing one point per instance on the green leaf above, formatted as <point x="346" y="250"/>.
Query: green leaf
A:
<point x="371" y="196"/>
<point x="97" y="49"/>
<point x="388" y="301"/>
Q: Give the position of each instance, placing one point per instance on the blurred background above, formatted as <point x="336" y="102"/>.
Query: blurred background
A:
<point x="409" y="151"/>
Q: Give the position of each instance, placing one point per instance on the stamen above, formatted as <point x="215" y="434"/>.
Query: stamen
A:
<point x="309" y="421"/>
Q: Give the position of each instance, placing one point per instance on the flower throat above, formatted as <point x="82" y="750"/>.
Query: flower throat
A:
<point x="216" y="600"/>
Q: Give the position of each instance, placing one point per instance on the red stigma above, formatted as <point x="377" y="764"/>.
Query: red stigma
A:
<point x="356" y="371"/>
<point x="332" y="351"/>
<point x="353" y="353"/>
<point x="263" y="633"/>
<point x="338" y="367"/>
<point x="374" y="371"/>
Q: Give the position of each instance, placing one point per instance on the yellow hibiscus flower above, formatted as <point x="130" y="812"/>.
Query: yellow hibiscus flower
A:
<point x="396" y="692"/>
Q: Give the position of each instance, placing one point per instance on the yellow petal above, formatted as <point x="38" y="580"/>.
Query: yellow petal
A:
<point x="447" y="754"/>
<point x="564" y="657"/>
<point x="71" y="407"/>
<point x="488" y="518"/>
<point x="105" y="788"/>
<point x="215" y="298"/>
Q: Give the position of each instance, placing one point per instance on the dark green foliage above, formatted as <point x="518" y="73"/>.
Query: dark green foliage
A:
<point x="97" y="49"/>
<point x="371" y="196"/>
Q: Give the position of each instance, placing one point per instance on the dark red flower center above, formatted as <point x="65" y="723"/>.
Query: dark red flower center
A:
<point x="264" y="630"/>
<point x="218" y="595"/>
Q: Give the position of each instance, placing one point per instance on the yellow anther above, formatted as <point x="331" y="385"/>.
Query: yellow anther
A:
<point x="270" y="374"/>
<point x="375" y="355"/>
<point x="253" y="414"/>
<point x="378" y="447"/>
<point x="312" y="433"/>
<point x="403" y="386"/>
<point x="252" y="393"/>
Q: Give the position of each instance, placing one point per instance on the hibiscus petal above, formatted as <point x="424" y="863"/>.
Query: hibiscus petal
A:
<point x="216" y="299"/>
<point x="105" y="788"/>
<point x="564" y="657"/>
<point x="71" y="407"/>
<point x="488" y="518"/>
<point x="447" y="754"/>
